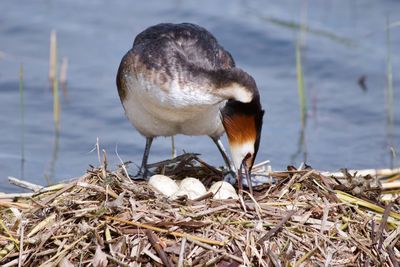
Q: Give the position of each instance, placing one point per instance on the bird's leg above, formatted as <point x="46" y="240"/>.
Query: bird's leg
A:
<point x="239" y="180"/>
<point x="248" y="179"/>
<point x="221" y="149"/>
<point x="143" y="169"/>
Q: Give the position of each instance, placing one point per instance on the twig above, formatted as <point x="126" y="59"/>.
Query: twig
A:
<point x="274" y="258"/>
<point x="391" y="185"/>
<point x="13" y="262"/>
<point x="388" y="241"/>
<point x="21" y="245"/>
<point x="123" y="164"/>
<point x="58" y="193"/>
<point x="344" y="197"/>
<point x="257" y="207"/>
<point x="46" y="252"/>
<point x="45" y="222"/>
<point x="206" y="246"/>
<point x="314" y="223"/>
<point x="98" y="188"/>
<point x="324" y="216"/>
<point x="8" y="233"/>
<point x="182" y="252"/>
<point x="305" y="257"/>
<point x="24" y="184"/>
<point x="15" y="195"/>
<point x="328" y="258"/>
<point x="63" y="251"/>
<point x="120" y="263"/>
<point x="372" y="172"/>
<point x="170" y="161"/>
<point x="209" y="211"/>
<point x="293" y="179"/>
<point x="151" y="255"/>
<point x="213" y="261"/>
<point x="155" y="242"/>
<point x="379" y="236"/>
<point x="208" y="167"/>
<point x="392" y="256"/>
<point x="203" y="197"/>
<point x="274" y="230"/>
<point x="331" y="194"/>
<point x="7" y="204"/>
<point x="178" y="234"/>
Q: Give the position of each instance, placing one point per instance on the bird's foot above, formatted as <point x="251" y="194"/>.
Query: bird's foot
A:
<point x="143" y="173"/>
<point x="230" y="177"/>
<point x="256" y="179"/>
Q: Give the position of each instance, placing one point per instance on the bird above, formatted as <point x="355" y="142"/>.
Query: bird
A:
<point x="177" y="79"/>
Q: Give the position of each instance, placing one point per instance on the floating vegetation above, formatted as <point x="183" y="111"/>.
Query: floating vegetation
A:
<point x="105" y="218"/>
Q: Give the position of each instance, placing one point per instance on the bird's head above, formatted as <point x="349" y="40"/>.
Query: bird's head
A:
<point x="242" y="115"/>
<point x="243" y="123"/>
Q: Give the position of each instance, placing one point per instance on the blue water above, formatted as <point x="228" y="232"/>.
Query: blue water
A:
<point x="346" y="126"/>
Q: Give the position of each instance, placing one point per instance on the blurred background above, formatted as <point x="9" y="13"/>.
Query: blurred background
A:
<point x="328" y="73"/>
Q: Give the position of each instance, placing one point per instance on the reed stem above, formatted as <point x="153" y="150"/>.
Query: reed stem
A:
<point x="390" y="96"/>
<point x="22" y="114"/>
<point x="54" y="78"/>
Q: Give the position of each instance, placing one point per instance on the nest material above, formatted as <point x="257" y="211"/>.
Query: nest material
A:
<point x="106" y="219"/>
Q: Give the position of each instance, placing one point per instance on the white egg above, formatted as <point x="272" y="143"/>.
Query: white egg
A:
<point x="191" y="187"/>
<point x="163" y="184"/>
<point x="223" y="190"/>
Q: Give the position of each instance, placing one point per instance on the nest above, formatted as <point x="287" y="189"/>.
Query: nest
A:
<point x="105" y="218"/>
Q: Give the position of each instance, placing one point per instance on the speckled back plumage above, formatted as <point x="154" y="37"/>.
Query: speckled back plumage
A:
<point x="166" y="46"/>
<point x="185" y="53"/>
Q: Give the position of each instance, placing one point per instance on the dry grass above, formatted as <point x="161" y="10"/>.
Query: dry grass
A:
<point x="106" y="219"/>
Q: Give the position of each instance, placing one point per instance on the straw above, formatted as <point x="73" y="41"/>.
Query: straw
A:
<point x="104" y="217"/>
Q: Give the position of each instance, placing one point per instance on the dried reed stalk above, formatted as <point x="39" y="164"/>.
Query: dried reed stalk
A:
<point x="304" y="219"/>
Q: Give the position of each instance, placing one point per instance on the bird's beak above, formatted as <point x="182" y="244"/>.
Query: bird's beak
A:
<point x="246" y="169"/>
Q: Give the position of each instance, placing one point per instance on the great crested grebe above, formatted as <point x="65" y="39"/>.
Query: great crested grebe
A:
<point x="177" y="79"/>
